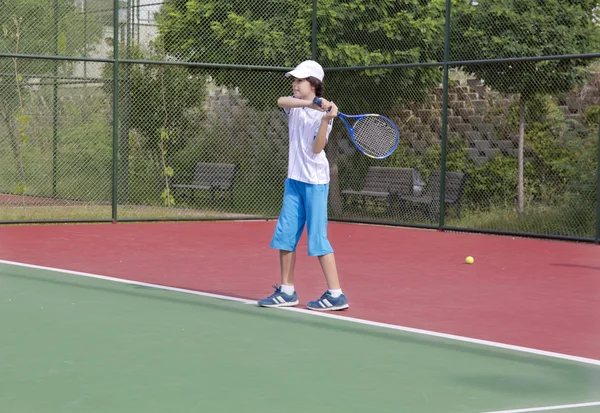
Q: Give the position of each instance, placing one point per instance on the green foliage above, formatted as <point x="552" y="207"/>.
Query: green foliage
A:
<point x="572" y="218"/>
<point x="560" y="175"/>
<point x="362" y="33"/>
<point x="20" y="188"/>
<point x="581" y="167"/>
<point x="159" y="104"/>
<point x="494" y="29"/>
<point x="562" y="161"/>
<point x="167" y="197"/>
<point x="29" y="24"/>
<point x="22" y="122"/>
<point x="232" y="131"/>
<point x="592" y="115"/>
<point x="234" y="31"/>
<point x="156" y="99"/>
<point x="564" y="155"/>
<point x="278" y="33"/>
<point x="493" y="183"/>
<point x="168" y="172"/>
<point x="141" y="91"/>
<point x="457" y="158"/>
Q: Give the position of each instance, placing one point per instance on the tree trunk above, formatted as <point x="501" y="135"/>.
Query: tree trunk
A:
<point x="334" y="191"/>
<point x="15" y="145"/>
<point x="335" y="198"/>
<point x="521" y="181"/>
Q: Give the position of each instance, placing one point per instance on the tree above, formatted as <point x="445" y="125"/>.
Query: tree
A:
<point x="495" y="29"/>
<point x="35" y="27"/>
<point x="163" y="100"/>
<point x="278" y="33"/>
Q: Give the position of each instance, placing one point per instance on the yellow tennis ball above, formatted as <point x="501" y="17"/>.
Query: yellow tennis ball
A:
<point x="470" y="260"/>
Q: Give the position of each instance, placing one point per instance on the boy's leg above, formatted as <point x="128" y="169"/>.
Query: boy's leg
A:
<point x="330" y="271"/>
<point x="287" y="262"/>
<point x="285" y="238"/>
<point x="288" y="230"/>
<point x="318" y="245"/>
<point x="316" y="219"/>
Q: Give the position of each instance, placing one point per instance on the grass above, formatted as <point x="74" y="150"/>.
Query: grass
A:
<point x="574" y="220"/>
<point x="566" y="220"/>
<point x="96" y="212"/>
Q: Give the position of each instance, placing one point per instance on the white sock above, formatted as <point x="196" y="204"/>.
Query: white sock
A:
<point x="335" y="293"/>
<point x="287" y="289"/>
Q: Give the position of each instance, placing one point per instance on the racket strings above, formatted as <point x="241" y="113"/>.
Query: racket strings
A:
<point x="375" y="135"/>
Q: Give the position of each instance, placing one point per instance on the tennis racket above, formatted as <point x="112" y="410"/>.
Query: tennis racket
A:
<point x="373" y="135"/>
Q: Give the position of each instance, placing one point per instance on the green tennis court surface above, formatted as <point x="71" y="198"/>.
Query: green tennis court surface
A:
<point x="77" y="344"/>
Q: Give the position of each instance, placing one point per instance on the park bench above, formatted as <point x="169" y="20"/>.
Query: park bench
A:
<point x="213" y="177"/>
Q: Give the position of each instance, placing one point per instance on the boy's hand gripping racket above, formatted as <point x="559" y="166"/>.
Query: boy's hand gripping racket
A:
<point x="373" y="135"/>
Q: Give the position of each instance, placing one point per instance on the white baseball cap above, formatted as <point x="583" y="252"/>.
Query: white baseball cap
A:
<point x="306" y="69"/>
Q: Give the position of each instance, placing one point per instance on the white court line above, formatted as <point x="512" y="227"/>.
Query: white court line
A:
<point x="548" y="408"/>
<point x="328" y="315"/>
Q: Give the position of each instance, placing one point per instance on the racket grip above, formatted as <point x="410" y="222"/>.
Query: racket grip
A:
<point x="317" y="101"/>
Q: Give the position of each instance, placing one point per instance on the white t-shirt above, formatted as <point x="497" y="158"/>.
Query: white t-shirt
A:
<point x="304" y="165"/>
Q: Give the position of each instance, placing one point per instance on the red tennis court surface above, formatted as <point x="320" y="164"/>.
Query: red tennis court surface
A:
<point x="526" y="292"/>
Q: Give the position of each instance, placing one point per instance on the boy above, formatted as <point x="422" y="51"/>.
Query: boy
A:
<point x="306" y="190"/>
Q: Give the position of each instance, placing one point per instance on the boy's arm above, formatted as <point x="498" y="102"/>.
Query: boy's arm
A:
<point x="321" y="138"/>
<point x="292" y="102"/>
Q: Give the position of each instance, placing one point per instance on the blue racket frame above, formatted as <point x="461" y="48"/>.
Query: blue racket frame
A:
<point x="343" y="117"/>
<point x="350" y="129"/>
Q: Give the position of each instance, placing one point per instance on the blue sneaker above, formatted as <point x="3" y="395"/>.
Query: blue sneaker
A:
<point x="329" y="303"/>
<point x="279" y="299"/>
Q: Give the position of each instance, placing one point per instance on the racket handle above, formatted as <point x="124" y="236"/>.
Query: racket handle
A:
<point x="317" y="101"/>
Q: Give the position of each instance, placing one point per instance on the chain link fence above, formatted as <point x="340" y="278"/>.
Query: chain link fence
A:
<point x="498" y="109"/>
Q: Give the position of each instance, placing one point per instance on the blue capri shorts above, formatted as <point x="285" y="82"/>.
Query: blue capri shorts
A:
<point x="303" y="203"/>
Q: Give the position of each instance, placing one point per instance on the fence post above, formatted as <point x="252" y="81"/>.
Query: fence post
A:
<point x="125" y="113"/>
<point x="597" y="240"/>
<point x="55" y="103"/>
<point x="115" y="102"/>
<point x="314" y="30"/>
<point x="85" y="39"/>
<point x="444" y="115"/>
